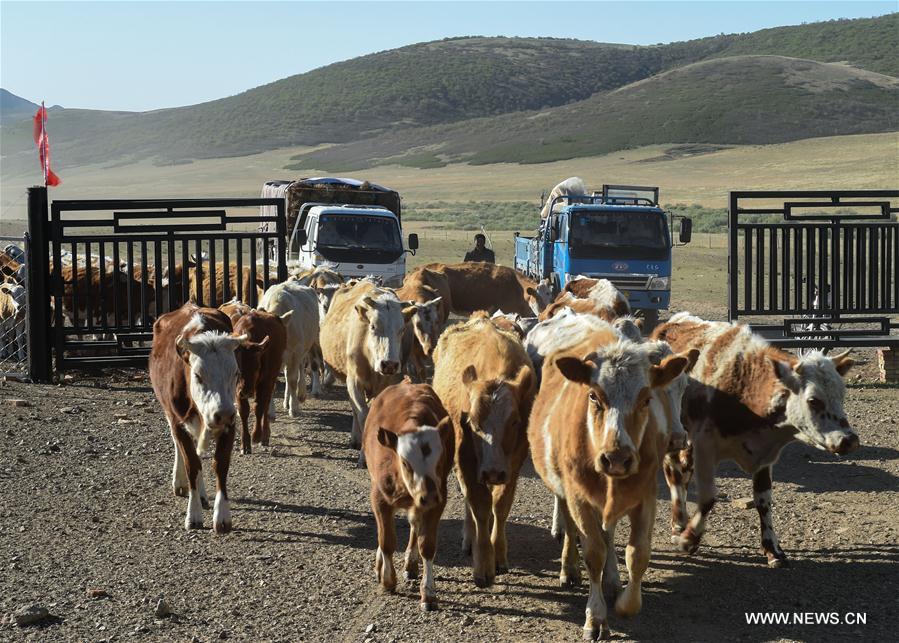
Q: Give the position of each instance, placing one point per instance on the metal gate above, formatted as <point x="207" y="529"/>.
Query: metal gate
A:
<point x="826" y="262"/>
<point x="14" y="317"/>
<point x="116" y="265"/>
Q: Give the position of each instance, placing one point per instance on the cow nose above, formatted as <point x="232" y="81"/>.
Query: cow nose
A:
<point x="617" y="463"/>
<point x="388" y="367"/>
<point x="223" y="417"/>
<point x="848" y="444"/>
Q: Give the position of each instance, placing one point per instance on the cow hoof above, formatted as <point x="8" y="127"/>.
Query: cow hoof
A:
<point x="204" y="502"/>
<point x="778" y="563"/>
<point x="687" y="542"/>
<point x="181" y="492"/>
<point x="387" y="589"/>
<point x="222" y="527"/>
<point x="627" y="606"/>
<point x="569" y="580"/>
<point x="597" y="633"/>
<point x="502" y="569"/>
<point x="293" y="413"/>
<point x="483" y="582"/>
<point x="410" y="574"/>
<point x="246" y="449"/>
<point x="429" y="605"/>
<point x="193" y="524"/>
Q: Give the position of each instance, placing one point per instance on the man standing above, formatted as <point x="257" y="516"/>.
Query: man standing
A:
<point x="480" y="251"/>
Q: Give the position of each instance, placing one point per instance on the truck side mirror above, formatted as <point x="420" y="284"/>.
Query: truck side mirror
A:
<point x="302" y="237"/>
<point x="686" y="230"/>
<point x="413" y="241"/>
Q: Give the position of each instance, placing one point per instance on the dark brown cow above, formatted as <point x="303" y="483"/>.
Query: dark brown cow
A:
<point x="193" y="370"/>
<point x="259" y="366"/>
<point x="409" y="447"/>
<point x="746" y="400"/>
<point x="91" y="292"/>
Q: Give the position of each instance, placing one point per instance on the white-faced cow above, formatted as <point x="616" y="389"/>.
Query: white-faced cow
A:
<point x="361" y="338"/>
<point x="193" y="370"/>
<point x="420" y="337"/>
<point x="487" y="383"/>
<point x="598" y="447"/>
<point x="408" y="443"/>
<point x="747" y="400"/>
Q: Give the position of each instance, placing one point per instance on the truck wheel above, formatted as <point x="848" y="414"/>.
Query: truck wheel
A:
<point x="650" y="319"/>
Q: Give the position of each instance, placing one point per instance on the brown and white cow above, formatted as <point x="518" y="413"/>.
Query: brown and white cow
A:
<point x="747" y="400"/>
<point x="476" y="285"/>
<point x="194" y="372"/>
<point x="589" y="296"/>
<point x="361" y="338"/>
<point x="259" y="365"/>
<point x="424" y="278"/>
<point x="302" y="337"/>
<point x="597" y="446"/>
<point x="408" y="443"/>
<point x="235" y="309"/>
<point x="487" y="383"/>
<point x="420" y="337"/>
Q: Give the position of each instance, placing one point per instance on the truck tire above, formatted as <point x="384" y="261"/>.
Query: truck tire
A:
<point x="650" y="319"/>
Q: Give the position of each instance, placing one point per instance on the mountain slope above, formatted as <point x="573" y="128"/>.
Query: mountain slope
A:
<point x="429" y="84"/>
<point x="13" y="108"/>
<point x="734" y="100"/>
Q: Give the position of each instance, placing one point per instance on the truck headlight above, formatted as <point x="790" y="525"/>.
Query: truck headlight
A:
<point x="660" y="283"/>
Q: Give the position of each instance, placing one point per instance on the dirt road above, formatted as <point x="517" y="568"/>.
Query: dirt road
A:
<point x="86" y="503"/>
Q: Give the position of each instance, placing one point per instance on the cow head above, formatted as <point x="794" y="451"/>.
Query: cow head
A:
<point x="249" y="361"/>
<point x="386" y="318"/>
<point x="213" y="377"/>
<point x="540" y="296"/>
<point x="421" y="461"/>
<point x="629" y="327"/>
<point x="674" y="394"/>
<point x="619" y="380"/>
<point x="325" y="296"/>
<point x="426" y="323"/>
<point x="813" y="404"/>
<point x="492" y="420"/>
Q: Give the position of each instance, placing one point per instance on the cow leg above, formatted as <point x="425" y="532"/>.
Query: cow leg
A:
<point x="221" y="514"/>
<point x="589" y="521"/>
<point x="637" y="555"/>
<point x="315" y="369"/>
<point x="360" y="407"/>
<point x="704" y="465"/>
<point x="301" y="377"/>
<point x="194" y="473"/>
<point x="180" y="485"/>
<point x="410" y="565"/>
<point x="677" y="478"/>
<point x="761" y="490"/>
<point x="467" y="528"/>
<point x="263" y="419"/>
<point x="293" y="383"/>
<point x="570" y="572"/>
<point x="558" y="527"/>
<point x="611" y="580"/>
<point x="245" y="442"/>
<point x="287" y="383"/>
<point x="384" y="512"/>
<point x="483" y="561"/>
<point x="427" y="547"/>
<point x="502" y="505"/>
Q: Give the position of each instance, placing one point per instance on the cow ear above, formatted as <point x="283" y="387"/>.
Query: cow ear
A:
<point x="447" y="434"/>
<point x="524" y="382"/>
<point x="667" y="370"/>
<point x="182" y="346"/>
<point x="842" y="362"/>
<point x="692" y="356"/>
<point x="261" y="346"/>
<point x="469" y="375"/>
<point x="286" y="316"/>
<point x="575" y="369"/>
<point x="531" y="291"/>
<point x="786" y="375"/>
<point x="435" y="302"/>
<point x="638" y="322"/>
<point x="408" y="313"/>
<point x="363" y="312"/>
<point x="387" y="438"/>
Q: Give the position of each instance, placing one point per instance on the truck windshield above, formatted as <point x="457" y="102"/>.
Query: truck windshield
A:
<point x="359" y="238"/>
<point x="619" y="234"/>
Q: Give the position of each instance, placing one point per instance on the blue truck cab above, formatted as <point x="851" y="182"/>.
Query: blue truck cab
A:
<point x="620" y="234"/>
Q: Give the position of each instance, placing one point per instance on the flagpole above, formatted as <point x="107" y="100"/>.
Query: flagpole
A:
<point x="44" y="164"/>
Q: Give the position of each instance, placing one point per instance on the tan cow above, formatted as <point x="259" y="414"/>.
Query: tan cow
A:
<point x="408" y="443"/>
<point x="746" y="401"/>
<point x="598" y="447"/>
<point x="361" y="338"/>
<point x="246" y="284"/>
<point x="318" y="278"/>
<point x="476" y="285"/>
<point x="259" y="366"/>
<point x="194" y="373"/>
<point x="420" y="337"/>
<point x="487" y="383"/>
<point x="423" y="277"/>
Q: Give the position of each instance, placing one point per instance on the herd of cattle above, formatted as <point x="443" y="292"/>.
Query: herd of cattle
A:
<point x="570" y="380"/>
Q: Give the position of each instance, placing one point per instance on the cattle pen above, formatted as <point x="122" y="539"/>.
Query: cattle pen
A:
<point x="94" y="541"/>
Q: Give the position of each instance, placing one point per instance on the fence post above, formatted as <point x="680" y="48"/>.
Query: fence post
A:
<point x="40" y="365"/>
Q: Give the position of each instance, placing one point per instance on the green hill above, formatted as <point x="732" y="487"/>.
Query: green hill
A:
<point x="735" y="100"/>
<point x="429" y="84"/>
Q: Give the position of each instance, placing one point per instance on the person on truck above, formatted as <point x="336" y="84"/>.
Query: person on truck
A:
<point x="480" y="252"/>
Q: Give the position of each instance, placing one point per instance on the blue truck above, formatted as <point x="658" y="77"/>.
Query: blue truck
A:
<point x="620" y="234"/>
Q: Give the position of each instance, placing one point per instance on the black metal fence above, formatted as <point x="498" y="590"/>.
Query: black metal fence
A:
<point x="826" y="262"/>
<point x="114" y="266"/>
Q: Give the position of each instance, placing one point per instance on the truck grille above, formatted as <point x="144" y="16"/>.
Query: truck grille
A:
<point x="627" y="281"/>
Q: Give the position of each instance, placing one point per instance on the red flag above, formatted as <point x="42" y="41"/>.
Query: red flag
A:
<point x="42" y="140"/>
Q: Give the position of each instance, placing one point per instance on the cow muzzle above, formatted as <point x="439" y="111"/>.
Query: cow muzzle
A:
<point x="619" y="463"/>
<point x="222" y="418"/>
<point x="494" y="477"/>
<point x="388" y="367"/>
<point x="846" y="444"/>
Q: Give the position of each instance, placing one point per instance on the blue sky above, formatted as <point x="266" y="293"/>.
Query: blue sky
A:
<point x="148" y="55"/>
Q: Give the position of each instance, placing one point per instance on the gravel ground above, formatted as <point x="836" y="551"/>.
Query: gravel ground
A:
<point x="90" y="530"/>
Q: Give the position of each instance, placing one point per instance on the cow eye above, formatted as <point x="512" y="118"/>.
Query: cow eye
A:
<point x="199" y="379"/>
<point x="593" y="397"/>
<point x="815" y="404"/>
